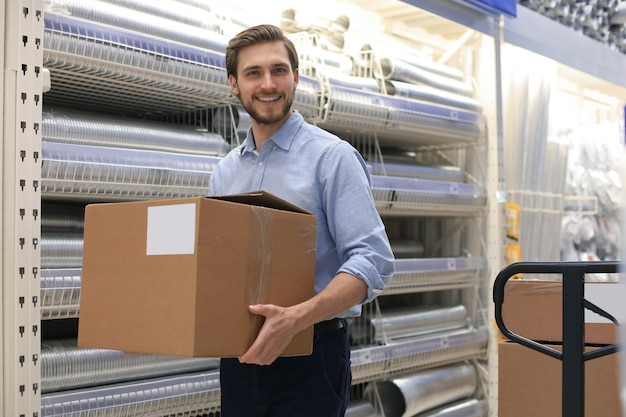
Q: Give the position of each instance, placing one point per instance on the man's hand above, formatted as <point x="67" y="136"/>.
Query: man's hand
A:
<point x="276" y="333"/>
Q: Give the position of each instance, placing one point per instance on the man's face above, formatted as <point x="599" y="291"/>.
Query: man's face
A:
<point x="265" y="82"/>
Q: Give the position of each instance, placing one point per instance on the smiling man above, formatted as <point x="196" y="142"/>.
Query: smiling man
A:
<point x="325" y="175"/>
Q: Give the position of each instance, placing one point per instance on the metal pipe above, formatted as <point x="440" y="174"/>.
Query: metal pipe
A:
<point x="409" y="395"/>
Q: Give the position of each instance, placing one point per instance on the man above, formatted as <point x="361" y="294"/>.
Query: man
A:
<point x="319" y="172"/>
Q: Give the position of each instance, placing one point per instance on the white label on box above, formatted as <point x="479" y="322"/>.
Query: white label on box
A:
<point x="171" y="230"/>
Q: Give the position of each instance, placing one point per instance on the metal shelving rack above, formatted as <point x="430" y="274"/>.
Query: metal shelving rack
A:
<point x="28" y="293"/>
<point x="22" y="87"/>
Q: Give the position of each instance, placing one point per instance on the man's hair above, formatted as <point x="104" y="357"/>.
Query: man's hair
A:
<point x="253" y="36"/>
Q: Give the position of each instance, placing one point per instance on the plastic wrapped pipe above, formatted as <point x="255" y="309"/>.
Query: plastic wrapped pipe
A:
<point x="66" y="366"/>
<point x="402" y="323"/>
<point x="398" y="70"/>
<point x="125" y="18"/>
<point x="467" y="408"/>
<point x="409" y="395"/>
<point x="81" y="128"/>
<point x="430" y="94"/>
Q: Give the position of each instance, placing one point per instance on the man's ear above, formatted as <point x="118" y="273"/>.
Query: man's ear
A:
<point x="233" y="84"/>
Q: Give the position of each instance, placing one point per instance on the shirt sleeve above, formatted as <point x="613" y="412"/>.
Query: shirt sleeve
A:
<point x="359" y="233"/>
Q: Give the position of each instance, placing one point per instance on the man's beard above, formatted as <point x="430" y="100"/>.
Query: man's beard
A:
<point x="270" y="119"/>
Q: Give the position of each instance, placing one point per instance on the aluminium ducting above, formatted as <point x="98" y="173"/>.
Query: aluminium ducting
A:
<point x="406" y="322"/>
<point x="97" y="172"/>
<point x="123" y="16"/>
<point x="410" y="395"/>
<point x="188" y="394"/>
<point x="82" y="128"/>
<point x="66" y="366"/>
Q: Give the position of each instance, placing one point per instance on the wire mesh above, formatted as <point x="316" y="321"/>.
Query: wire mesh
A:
<point x="432" y="274"/>
<point x="60" y="293"/>
<point x="95" y="172"/>
<point x="66" y="366"/>
<point x="191" y="393"/>
<point x="377" y="362"/>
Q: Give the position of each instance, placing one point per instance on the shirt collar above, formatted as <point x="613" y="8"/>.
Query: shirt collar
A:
<point x="282" y="138"/>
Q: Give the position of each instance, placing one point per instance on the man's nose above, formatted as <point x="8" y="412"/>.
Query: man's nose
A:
<point x="268" y="81"/>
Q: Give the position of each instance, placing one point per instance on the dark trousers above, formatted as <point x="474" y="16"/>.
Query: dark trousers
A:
<point x="317" y="385"/>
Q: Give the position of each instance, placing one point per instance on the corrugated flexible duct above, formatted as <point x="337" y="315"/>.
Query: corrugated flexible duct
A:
<point x="409" y="395"/>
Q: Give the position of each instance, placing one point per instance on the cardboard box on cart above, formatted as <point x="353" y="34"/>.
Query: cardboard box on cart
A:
<point x="534" y="309"/>
<point x="176" y="276"/>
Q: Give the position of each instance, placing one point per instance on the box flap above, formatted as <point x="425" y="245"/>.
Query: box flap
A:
<point x="263" y="199"/>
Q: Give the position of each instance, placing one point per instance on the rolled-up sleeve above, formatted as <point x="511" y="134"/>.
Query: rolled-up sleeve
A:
<point x="353" y="221"/>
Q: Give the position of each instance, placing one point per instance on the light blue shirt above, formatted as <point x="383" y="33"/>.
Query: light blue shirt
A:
<point x="326" y="176"/>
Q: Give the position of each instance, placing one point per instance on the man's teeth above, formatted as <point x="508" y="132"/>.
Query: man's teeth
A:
<point x="268" y="98"/>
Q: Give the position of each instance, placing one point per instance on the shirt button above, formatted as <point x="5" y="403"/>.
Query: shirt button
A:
<point x="260" y="164"/>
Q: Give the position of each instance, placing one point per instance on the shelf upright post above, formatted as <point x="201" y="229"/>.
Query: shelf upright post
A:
<point x="20" y="347"/>
<point x="491" y="87"/>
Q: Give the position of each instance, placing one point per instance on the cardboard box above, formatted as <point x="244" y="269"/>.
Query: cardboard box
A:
<point x="534" y="309"/>
<point x="530" y="384"/>
<point x="176" y="276"/>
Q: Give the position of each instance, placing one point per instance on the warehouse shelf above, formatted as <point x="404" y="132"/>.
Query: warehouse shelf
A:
<point x="60" y="293"/>
<point x="411" y="196"/>
<point x="188" y="394"/>
<point x="199" y="392"/>
<point x="65" y="366"/>
<point x="60" y="288"/>
<point x="433" y="274"/>
<point x="399" y="121"/>
<point x="378" y="362"/>
<point x="99" y="67"/>
<point x="94" y="173"/>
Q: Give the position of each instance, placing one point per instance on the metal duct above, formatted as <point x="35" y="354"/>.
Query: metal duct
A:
<point x="431" y="94"/>
<point x="414" y="170"/>
<point x="398" y="70"/>
<point x="409" y="395"/>
<point x="361" y="409"/>
<point x="409" y="57"/>
<point x="192" y="15"/>
<point x="79" y="172"/>
<point x="406" y="322"/>
<point x="232" y="122"/>
<point x="190" y="394"/>
<point x="61" y="250"/>
<point x="398" y="195"/>
<point x="350" y="81"/>
<point x="125" y="18"/>
<point x="66" y="366"/>
<point x="430" y="274"/>
<point x="468" y="408"/>
<point x="81" y="128"/>
<point x="60" y="293"/>
<point x="57" y="217"/>
<point x="407" y="249"/>
<point x="94" y="66"/>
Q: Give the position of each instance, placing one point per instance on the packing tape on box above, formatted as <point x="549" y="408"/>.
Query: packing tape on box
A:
<point x="260" y="248"/>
